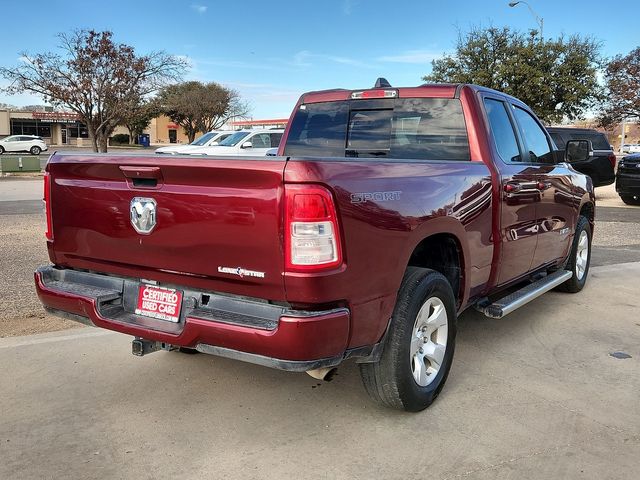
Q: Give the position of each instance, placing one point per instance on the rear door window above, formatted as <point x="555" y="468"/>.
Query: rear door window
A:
<point x="504" y="135"/>
<point x="275" y="139"/>
<point x="261" y="140"/>
<point x="534" y="136"/>
<point x="411" y="129"/>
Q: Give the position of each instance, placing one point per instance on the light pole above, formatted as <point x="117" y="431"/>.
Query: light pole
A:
<point x="539" y="20"/>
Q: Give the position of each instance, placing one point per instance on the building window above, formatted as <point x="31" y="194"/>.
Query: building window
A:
<point x="30" y="127"/>
<point x="76" y="131"/>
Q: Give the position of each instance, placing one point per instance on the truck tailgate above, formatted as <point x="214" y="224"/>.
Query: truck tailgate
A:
<point x="217" y="220"/>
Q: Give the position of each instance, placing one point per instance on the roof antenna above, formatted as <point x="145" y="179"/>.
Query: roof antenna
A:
<point x="382" y="82"/>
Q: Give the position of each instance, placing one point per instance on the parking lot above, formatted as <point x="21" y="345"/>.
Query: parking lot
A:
<point x="551" y="391"/>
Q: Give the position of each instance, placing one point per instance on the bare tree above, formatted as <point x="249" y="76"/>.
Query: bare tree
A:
<point x="201" y="107"/>
<point x="98" y="79"/>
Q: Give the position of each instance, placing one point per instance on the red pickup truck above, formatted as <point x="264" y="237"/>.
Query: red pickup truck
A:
<point x="387" y="213"/>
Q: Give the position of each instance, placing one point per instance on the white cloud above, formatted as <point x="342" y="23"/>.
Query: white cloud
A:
<point x="347" y="6"/>
<point x="199" y="8"/>
<point x="412" y="56"/>
<point x="304" y="59"/>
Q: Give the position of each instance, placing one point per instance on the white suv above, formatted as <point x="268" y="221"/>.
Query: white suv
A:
<point x="631" y="148"/>
<point x="206" y="140"/>
<point x="23" y="143"/>
<point x="244" y="143"/>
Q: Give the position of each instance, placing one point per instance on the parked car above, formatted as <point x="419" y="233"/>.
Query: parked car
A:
<point x="631" y="148"/>
<point x="628" y="179"/>
<point x="387" y="213"/>
<point x="207" y="140"/>
<point x="244" y="142"/>
<point x="600" y="166"/>
<point x="23" y="143"/>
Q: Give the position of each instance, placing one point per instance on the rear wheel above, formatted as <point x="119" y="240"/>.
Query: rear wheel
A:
<point x="631" y="199"/>
<point x="1" y="150"/>
<point x="579" y="258"/>
<point x="419" y="347"/>
<point x="35" y="150"/>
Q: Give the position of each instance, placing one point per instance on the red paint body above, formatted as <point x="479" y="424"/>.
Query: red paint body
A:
<point x="223" y="211"/>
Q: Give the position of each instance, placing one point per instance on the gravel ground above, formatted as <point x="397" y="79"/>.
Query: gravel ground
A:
<point x="23" y="249"/>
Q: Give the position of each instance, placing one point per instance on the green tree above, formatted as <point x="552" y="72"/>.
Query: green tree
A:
<point x="95" y="77"/>
<point x="622" y="83"/>
<point x="139" y="116"/>
<point x="201" y="107"/>
<point x="557" y="78"/>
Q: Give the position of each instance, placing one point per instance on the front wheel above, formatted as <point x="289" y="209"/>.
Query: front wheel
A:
<point x="1" y="150"/>
<point x="579" y="257"/>
<point x="419" y="345"/>
<point x="35" y="150"/>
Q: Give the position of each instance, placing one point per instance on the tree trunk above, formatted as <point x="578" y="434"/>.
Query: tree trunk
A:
<point x="131" y="136"/>
<point x="103" y="142"/>
<point x="94" y="142"/>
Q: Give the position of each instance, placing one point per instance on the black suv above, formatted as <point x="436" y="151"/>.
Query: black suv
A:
<point x="601" y="165"/>
<point x="628" y="179"/>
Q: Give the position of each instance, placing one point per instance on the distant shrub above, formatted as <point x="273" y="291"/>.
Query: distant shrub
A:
<point x="120" y="139"/>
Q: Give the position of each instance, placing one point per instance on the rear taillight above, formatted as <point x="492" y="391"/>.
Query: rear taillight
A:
<point x="612" y="159"/>
<point x="312" y="235"/>
<point x="47" y="205"/>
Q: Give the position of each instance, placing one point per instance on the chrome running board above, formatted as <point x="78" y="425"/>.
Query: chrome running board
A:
<point x="517" y="299"/>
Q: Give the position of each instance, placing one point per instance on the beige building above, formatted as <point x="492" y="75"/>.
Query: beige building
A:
<point x="63" y="128"/>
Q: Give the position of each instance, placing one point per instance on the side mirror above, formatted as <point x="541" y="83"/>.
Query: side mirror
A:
<point x="247" y="145"/>
<point x="578" y="151"/>
<point x="212" y="144"/>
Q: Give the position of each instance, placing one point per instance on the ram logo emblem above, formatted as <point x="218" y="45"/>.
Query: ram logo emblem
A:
<point x="143" y="214"/>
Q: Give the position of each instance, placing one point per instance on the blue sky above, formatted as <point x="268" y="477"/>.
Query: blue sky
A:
<point x="272" y="51"/>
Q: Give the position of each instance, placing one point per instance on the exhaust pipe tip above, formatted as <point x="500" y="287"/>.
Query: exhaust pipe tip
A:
<point x="326" y="374"/>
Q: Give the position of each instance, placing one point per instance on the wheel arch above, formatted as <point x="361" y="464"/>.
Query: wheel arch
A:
<point x="588" y="210"/>
<point x="440" y="246"/>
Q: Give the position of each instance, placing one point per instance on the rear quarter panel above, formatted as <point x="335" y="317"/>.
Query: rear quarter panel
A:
<point x="386" y="209"/>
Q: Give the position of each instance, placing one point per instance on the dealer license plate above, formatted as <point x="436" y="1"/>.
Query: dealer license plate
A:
<point x="159" y="302"/>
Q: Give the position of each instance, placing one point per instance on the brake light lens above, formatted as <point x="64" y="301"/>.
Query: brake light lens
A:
<point x="312" y="235"/>
<point x="612" y="159"/>
<point x="47" y="205"/>
<point x="374" y="94"/>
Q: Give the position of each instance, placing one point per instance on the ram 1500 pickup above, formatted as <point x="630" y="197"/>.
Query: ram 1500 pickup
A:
<point x="387" y="213"/>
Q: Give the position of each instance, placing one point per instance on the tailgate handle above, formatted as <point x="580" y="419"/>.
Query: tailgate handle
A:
<point x="141" y="172"/>
<point x="142" y="176"/>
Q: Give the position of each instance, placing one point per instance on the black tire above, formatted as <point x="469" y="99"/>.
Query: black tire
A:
<point x="630" y="199"/>
<point x="577" y="282"/>
<point x="390" y="381"/>
<point x="1" y="150"/>
<point x="35" y="150"/>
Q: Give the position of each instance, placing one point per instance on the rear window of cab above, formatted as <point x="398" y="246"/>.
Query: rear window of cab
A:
<point x="399" y="128"/>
